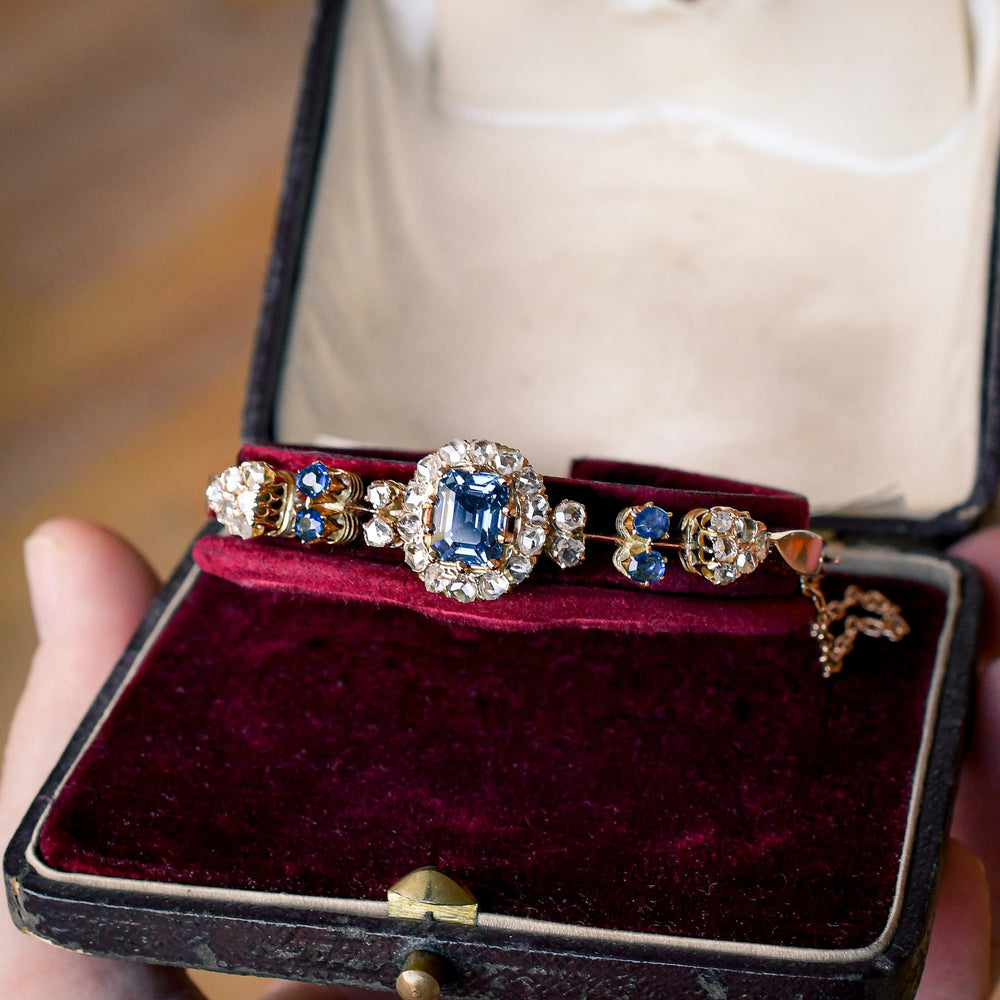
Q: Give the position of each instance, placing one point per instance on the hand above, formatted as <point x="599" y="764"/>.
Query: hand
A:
<point x="959" y="961"/>
<point x="89" y="590"/>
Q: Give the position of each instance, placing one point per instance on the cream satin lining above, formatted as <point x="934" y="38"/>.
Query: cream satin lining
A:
<point x="743" y="238"/>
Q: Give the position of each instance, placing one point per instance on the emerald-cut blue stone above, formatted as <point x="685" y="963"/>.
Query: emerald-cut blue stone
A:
<point x="469" y="517"/>
<point x="651" y="522"/>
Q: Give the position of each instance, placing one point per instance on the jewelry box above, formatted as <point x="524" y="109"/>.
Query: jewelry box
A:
<point x="669" y="236"/>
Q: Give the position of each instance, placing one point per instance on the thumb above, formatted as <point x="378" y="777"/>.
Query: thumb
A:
<point x="89" y="590"/>
<point x="958" y="961"/>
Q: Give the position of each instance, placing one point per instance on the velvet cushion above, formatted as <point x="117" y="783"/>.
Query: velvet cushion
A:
<point x="675" y="764"/>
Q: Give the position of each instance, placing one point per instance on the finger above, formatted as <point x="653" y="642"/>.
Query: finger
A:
<point x="958" y="961"/>
<point x="88" y="592"/>
<point x="309" y="991"/>
<point x="982" y="549"/>
<point x="977" y="809"/>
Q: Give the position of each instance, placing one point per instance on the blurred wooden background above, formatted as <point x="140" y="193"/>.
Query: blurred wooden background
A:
<point x="141" y="153"/>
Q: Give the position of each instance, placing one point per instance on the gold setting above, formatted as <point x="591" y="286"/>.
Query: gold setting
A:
<point x="722" y="544"/>
<point x="635" y="546"/>
<point x="801" y="550"/>
<point x="253" y="499"/>
<point x="336" y="505"/>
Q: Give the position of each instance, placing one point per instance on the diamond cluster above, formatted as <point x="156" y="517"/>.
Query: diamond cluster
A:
<point x="723" y="544"/>
<point x="473" y="520"/>
<point x="243" y="496"/>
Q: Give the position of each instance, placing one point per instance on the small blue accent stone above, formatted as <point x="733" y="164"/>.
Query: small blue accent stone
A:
<point x="646" y="567"/>
<point x="651" y="522"/>
<point x="313" y="480"/>
<point x="309" y="525"/>
<point x="469" y="519"/>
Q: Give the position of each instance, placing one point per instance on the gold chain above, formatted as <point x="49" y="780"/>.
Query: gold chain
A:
<point x="883" y="620"/>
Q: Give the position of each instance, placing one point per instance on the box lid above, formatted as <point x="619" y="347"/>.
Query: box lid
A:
<point x="488" y="245"/>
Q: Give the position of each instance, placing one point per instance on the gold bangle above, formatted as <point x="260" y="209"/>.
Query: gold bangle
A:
<point x="475" y="517"/>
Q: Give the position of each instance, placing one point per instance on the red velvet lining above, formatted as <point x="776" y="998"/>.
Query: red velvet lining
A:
<point x="548" y="600"/>
<point x="700" y="780"/>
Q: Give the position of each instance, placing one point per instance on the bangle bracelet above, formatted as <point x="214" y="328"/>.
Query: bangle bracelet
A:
<point x="475" y="518"/>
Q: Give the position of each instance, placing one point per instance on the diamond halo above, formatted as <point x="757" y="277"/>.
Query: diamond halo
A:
<point x="476" y="517"/>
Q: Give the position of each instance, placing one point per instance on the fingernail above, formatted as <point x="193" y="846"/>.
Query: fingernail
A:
<point x="41" y="564"/>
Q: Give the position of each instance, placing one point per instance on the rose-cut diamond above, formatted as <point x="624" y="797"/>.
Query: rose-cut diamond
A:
<point x="463" y="589"/>
<point x="428" y="466"/>
<point x="518" y="568"/>
<point x="536" y="509"/>
<point x="492" y="585"/>
<point x="379" y="494"/>
<point x="569" y="516"/>
<point x="508" y="461"/>
<point x="528" y="482"/>
<point x="455" y="452"/>
<point x="417" y="494"/>
<point x="378" y="533"/>
<point x="566" y="550"/>
<point x="483" y="453"/>
<point x="438" y="578"/>
<point x="418" y="559"/>
<point x="409" y="525"/>
<point x="724" y="548"/>
<point x="722" y="520"/>
<point x="531" y="539"/>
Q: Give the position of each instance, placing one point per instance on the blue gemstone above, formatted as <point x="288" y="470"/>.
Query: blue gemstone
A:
<point x="646" y="567"/>
<point x="313" y="480"/>
<point x="651" y="522"/>
<point x="469" y="519"/>
<point x="308" y="526"/>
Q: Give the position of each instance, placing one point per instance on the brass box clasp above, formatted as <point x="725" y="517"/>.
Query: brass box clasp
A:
<point x="428" y="891"/>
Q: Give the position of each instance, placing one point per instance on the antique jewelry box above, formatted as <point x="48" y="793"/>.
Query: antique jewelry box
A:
<point x="608" y="229"/>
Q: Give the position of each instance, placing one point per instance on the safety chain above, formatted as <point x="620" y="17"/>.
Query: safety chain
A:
<point x="882" y="621"/>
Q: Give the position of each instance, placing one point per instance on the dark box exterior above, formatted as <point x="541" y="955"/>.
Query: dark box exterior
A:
<point x="230" y="934"/>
